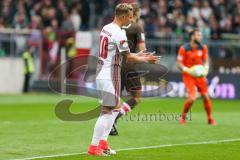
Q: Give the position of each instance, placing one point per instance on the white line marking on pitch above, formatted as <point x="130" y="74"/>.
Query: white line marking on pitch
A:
<point x="138" y="148"/>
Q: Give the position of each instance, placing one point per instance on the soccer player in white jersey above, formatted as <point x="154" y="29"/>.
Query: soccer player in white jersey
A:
<point x="113" y="46"/>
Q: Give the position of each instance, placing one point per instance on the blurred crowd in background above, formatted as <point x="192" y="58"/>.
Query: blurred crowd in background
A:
<point x="213" y="17"/>
<point x="160" y="17"/>
<point x="55" y="23"/>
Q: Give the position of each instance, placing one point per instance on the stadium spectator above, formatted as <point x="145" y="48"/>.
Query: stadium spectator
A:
<point x="205" y="11"/>
<point x="84" y="10"/>
<point x="29" y="67"/>
<point x="35" y="22"/>
<point x="75" y="18"/>
<point x="20" y="19"/>
<point x="48" y="13"/>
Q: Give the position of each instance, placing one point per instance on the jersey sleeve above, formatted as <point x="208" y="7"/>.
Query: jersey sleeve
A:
<point x="205" y="53"/>
<point x="121" y="42"/>
<point x="140" y="35"/>
<point x="180" y="56"/>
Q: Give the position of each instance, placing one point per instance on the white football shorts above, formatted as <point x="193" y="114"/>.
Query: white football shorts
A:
<point x="109" y="92"/>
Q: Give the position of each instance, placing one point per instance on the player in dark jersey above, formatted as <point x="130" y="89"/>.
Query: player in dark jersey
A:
<point x="136" y="41"/>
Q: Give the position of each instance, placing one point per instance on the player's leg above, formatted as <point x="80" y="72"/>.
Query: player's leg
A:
<point x="114" y="131"/>
<point x="130" y="84"/>
<point x="128" y="106"/>
<point x="101" y="126"/>
<point x="133" y="86"/>
<point x="103" y="144"/>
<point x="131" y="75"/>
<point x="110" y="101"/>
<point x="202" y="86"/>
<point x="190" y="87"/>
<point x="208" y="109"/>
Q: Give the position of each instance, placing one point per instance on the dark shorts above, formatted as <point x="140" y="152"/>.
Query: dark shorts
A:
<point x="129" y="79"/>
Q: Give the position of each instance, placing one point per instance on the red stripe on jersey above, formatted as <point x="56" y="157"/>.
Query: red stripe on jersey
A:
<point x="117" y="94"/>
<point x="117" y="67"/>
<point x="116" y="110"/>
<point x="140" y="42"/>
<point x="113" y="72"/>
<point x="122" y="42"/>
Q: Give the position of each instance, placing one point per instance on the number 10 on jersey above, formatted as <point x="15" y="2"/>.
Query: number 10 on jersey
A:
<point x="103" y="47"/>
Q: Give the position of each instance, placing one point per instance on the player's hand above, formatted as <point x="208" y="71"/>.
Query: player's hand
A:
<point x="191" y="71"/>
<point x="149" y="57"/>
<point x="142" y="53"/>
<point x="206" y="67"/>
<point x="152" y="59"/>
<point x="145" y="53"/>
<point x="188" y="70"/>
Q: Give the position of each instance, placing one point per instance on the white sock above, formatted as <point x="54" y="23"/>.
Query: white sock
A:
<point x="100" y="127"/>
<point x="125" y="108"/>
<point x="112" y="118"/>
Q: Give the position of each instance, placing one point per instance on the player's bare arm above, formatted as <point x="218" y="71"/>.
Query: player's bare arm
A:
<point x="140" y="58"/>
<point x="141" y="46"/>
<point x="180" y="65"/>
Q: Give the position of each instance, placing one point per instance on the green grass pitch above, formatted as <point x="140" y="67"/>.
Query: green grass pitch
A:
<point x="29" y="128"/>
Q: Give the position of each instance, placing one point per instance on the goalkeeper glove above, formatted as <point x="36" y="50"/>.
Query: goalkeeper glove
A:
<point x="187" y="70"/>
<point x="206" y="70"/>
<point x="191" y="71"/>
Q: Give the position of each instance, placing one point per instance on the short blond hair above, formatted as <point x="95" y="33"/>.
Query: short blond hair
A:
<point x="122" y="9"/>
<point x="136" y="7"/>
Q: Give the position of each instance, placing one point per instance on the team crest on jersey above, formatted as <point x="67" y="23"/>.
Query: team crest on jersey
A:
<point x="124" y="44"/>
<point x="199" y="53"/>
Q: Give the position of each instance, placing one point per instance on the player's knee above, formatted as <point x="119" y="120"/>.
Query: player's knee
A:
<point x="192" y="99"/>
<point x="205" y="96"/>
<point x="137" y="99"/>
<point x="107" y="109"/>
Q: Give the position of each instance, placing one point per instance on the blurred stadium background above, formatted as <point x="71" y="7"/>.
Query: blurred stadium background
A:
<point x="45" y="27"/>
<point x="51" y="31"/>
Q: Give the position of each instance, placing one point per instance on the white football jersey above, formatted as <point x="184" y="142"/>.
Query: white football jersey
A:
<point x="113" y="41"/>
